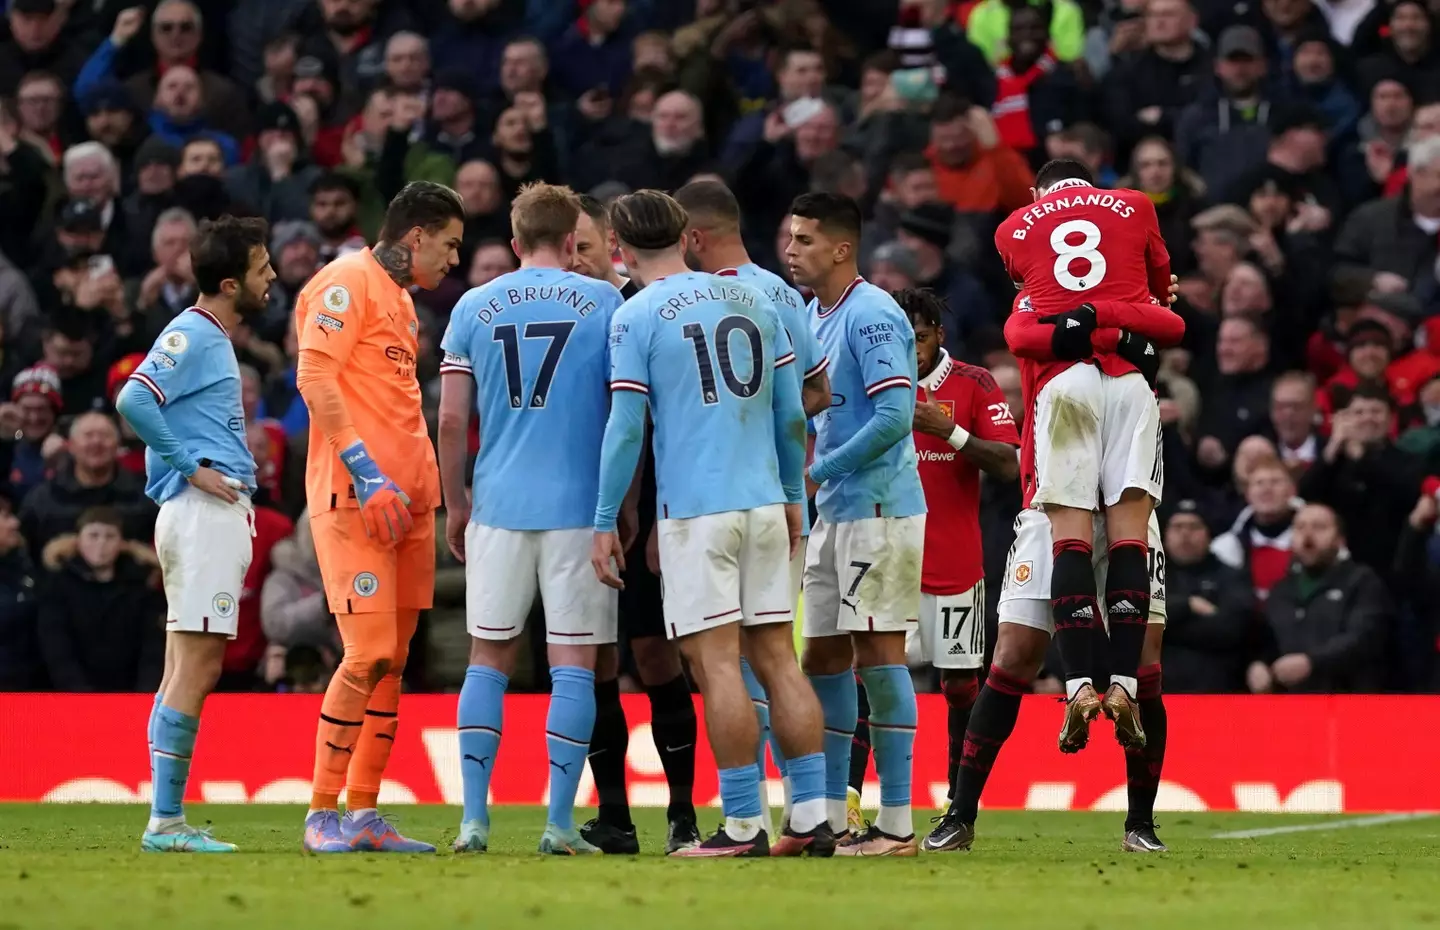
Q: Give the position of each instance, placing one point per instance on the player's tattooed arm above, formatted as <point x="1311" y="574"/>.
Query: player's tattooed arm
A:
<point x="396" y="259"/>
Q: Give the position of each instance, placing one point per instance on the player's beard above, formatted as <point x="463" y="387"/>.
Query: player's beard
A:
<point x="249" y="305"/>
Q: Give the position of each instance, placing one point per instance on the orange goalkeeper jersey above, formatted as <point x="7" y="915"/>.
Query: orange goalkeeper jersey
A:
<point x="352" y="312"/>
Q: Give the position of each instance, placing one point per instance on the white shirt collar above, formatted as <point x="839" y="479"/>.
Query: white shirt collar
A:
<point x="939" y="373"/>
<point x="1068" y="182"/>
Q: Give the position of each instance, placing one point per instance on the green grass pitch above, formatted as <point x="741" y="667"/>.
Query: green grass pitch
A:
<point x="79" y="866"/>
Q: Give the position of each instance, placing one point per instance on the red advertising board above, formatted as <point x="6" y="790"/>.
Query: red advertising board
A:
<point x="1314" y="754"/>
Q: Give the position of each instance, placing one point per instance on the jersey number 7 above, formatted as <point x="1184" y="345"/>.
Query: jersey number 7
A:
<point x="727" y="325"/>
<point x="558" y="333"/>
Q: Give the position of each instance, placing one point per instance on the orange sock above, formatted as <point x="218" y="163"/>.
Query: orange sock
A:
<point x="369" y="654"/>
<point x="382" y="719"/>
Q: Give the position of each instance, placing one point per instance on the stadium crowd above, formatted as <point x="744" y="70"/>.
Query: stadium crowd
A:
<point x="1291" y="147"/>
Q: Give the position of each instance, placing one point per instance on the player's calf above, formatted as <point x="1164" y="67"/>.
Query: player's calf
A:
<point x="568" y="726"/>
<point x="197" y="659"/>
<point x="961" y="687"/>
<point x="1144" y="765"/>
<point x="479" y="724"/>
<point x="1076" y="613"/>
<point x="893" y="717"/>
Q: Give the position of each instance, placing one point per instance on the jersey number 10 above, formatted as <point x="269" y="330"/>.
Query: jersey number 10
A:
<point x="558" y="333"/>
<point x="1087" y="249"/>
<point x="728" y="325"/>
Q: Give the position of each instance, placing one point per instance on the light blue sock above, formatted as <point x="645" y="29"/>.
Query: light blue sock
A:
<point x="840" y="705"/>
<point x="150" y="736"/>
<point x="740" y="794"/>
<point x="174" y="745"/>
<point x="478" y="719"/>
<point x="762" y="714"/>
<point x="893" y="716"/>
<point x="567" y="737"/>
<point x="807" y="775"/>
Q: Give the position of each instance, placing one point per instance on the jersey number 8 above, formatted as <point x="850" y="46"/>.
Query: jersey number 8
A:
<point x="1087" y="249"/>
<point x="723" y="330"/>
<point x="558" y="333"/>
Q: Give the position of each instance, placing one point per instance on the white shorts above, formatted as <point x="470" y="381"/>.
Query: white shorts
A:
<point x="797" y="571"/>
<point x="505" y="569"/>
<point x="723" y="568"/>
<point x="1025" y="598"/>
<point x="952" y="629"/>
<point x="1095" y="437"/>
<point x="205" y="546"/>
<point x="863" y="576"/>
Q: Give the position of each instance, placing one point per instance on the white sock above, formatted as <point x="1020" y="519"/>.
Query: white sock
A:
<point x="359" y="812"/>
<point x="787" y="811"/>
<point x="742" y="829"/>
<point x="807" y="815"/>
<point x="835" y="813"/>
<point x="164" y="824"/>
<point x="767" y="816"/>
<point x="1073" y="686"/>
<point x="1129" y="684"/>
<point x="896" y="821"/>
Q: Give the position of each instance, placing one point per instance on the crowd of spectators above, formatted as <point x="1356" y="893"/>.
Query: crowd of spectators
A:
<point x="1291" y="147"/>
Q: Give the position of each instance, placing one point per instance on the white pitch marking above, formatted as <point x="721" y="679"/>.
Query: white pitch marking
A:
<point x="1376" y="821"/>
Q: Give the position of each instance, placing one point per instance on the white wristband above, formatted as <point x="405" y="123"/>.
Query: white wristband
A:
<point x="958" y="437"/>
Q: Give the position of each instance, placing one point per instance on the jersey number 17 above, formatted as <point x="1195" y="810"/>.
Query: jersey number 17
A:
<point x="558" y="333"/>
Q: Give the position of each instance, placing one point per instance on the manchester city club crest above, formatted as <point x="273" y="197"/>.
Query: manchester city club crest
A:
<point x="223" y="605"/>
<point x="366" y="584"/>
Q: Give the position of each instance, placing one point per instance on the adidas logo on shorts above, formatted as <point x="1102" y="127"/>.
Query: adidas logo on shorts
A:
<point x="956" y="650"/>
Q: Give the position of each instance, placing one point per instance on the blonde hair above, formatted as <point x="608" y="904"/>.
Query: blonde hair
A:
<point x="544" y="214"/>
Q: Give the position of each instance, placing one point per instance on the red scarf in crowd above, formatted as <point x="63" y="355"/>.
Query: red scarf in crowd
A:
<point x="1012" y="102"/>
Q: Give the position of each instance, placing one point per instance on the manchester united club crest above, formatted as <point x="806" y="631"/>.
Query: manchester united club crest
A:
<point x="947" y="407"/>
<point x="1022" y="574"/>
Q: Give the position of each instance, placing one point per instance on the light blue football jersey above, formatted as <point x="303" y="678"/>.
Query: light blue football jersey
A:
<point x="193" y="373"/>
<point x="809" y="356"/>
<point x="871" y="348"/>
<point x="705" y="350"/>
<point x="536" y="342"/>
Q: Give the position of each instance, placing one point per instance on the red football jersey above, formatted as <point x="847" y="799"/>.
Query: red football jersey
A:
<point x="953" y="561"/>
<point x="1079" y="244"/>
<point x="1029" y="341"/>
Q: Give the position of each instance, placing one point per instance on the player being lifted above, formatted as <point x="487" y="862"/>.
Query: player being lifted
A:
<point x="657" y="659"/>
<point x="533" y="342"/>
<point x="862" y="565"/>
<point x="372" y="490"/>
<point x="1026" y="620"/>
<point x="1096" y="428"/>
<point x="713" y="244"/>
<point x="184" y="402"/>
<point x="708" y="354"/>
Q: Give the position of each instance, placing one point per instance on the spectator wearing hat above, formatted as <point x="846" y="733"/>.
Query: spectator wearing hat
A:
<point x="1408" y="50"/>
<point x="1223" y="137"/>
<point x="1146" y="90"/>
<point x="35" y="43"/>
<point x="277" y="179"/>
<point x="1369" y="348"/>
<point x="453" y="127"/>
<point x="1319" y="82"/>
<point x="1328" y="620"/>
<point x="27" y="424"/>
<point x="471" y="37"/>
<point x="101" y="621"/>
<point x="926" y="231"/>
<point x="295" y="256"/>
<point x="1034" y="91"/>
<point x="974" y="172"/>
<point x="1210" y="619"/>
<point x="112" y="119"/>
<point x="155" y="165"/>
<point x="176" y="30"/>
<point x="1365" y="477"/>
<point x="1396" y="237"/>
<point x="893" y="267"/>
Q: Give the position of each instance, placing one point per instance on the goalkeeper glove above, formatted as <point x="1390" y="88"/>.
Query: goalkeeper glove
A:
<point x="383" y="506"/>
<point x="1073" y="328"/>
<point x="1140" y="352"/>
